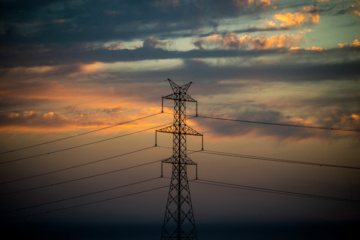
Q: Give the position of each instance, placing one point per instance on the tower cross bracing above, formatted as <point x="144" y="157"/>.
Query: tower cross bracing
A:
<point x="179" y="220"/>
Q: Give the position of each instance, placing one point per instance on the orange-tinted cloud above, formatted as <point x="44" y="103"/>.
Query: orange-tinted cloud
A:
<point x="85" y="69"/>
<point x="308" y="14"/>
<point x="49" y="104"/>
<point x="90" y="68"/>
<point x="355" y="117"/>
<point x="48" y="121"/>
<point x="271" y="23"/>
<point x="152" y="42"/>
<point x="52" y="90"/>
<point x="356" y="12"/>
<point x="314" y="49"/>
<point x="356" y="8"/>
<point x="260" y="2"/>
<point x="355" y="43"/>
<point x="220" y="132"/>
<point x="232" y="40"/>
<point x="348" y="121"/>
<point x="319" y="49"/>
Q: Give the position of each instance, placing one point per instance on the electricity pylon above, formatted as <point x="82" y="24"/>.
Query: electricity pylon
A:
<point x="179" y="220"/>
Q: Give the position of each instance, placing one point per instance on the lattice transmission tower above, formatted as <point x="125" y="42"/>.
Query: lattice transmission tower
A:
<point x="179" y="220"/>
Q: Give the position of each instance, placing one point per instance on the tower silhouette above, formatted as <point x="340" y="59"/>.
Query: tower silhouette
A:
<point x="179" y="220"/>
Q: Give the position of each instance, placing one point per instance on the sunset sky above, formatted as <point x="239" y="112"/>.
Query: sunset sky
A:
<point x="70" y="71"/>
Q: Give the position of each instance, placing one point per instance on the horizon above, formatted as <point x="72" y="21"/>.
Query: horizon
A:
<point x="278" y="93"/>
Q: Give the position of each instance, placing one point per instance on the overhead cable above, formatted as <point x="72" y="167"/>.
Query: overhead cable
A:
<point x="78" y="134"/>
<point x="93" y="202"/>
<point x="78" y="196"/>
<point x="280" y="124"/>
<point x="75" y="166"/>
<point x="269" y="190"/>
<point x="81" y="145"/>
<point x="79" y="179"/>
<point x="275" y="159"/>
<point x="238" y="155"/>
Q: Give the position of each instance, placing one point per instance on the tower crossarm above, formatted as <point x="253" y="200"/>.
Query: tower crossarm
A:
<point x="182" y="97"/>
<point x="185" y="160"/>
<point x="179" y="220"/>
<point x="186" y="130"/>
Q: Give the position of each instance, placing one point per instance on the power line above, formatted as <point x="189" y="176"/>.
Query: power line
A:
<point x="304" y="89"/>
<point x="179" y="211"/>
<point x="268" y="190"/>
<point x="79" y="179"/>
<point x="81" y="103"/>
<point x="91" y="176"/>
<point x="281" y="124"/>
<point x="81" y="145"/>
<point x="237" y="155"/>
<point x="275" y="159"/>
<point x="79" y="134"/>
<point x="75" y="166"/>
<point x="78" y="196"/>
<point x="94" y="202"/>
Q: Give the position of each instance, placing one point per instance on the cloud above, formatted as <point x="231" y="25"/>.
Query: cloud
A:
<point x="228" y="130"/>
<point x="252" y="70"/>
<point x="165" y="3"/>
<point x="55" y="51"/>
<point x="59" y="22"/>
<point x="353" y="8"/>
<point x="334" y="118"/>
<point x="46" y="121"/>
<point x="71" y="60"/>
<point x="354" y="44"/>
<point x="232" y="40"/>
<point x="307" y="15"/>
<point x="91" y="117"/>
<point x="313" y="49"/>
<point x="261" y="3"/>
<point x="31" y="120"/>
<point x="322" y="108"/>
<point x="152" y="42"/>
<point x="356" y="8"/>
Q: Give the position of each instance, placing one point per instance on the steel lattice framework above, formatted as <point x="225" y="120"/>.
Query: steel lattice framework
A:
<point x="179" y="220"/>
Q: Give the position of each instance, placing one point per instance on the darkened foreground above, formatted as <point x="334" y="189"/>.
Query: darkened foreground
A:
<point x="213" y="231"/>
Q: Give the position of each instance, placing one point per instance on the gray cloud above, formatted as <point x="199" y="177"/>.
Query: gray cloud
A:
<point x="66" y="34"/>
<point x="203" y="72"/>
<point x="230" y="129"/>
<point x="77" y="21"/>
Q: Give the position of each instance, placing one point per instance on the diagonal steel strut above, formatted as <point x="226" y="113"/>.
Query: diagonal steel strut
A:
<point x="179" y="220"/>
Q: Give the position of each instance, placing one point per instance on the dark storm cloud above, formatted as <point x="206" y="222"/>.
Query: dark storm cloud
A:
<point x="147" y="52"/>
<point x="67" y="34"/>
<point x="290" y="70"/>
<point x="78" y="21"/>
<point x="287" y="72"/>
<point x="60" y="32"/>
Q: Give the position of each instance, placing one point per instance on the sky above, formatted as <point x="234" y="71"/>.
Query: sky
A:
<point x="81" y="89"/>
